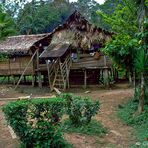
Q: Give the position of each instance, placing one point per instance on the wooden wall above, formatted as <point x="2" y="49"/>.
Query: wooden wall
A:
<point x="15" y="66"/>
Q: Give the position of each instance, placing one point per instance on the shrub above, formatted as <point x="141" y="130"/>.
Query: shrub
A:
<point x="80" y="110"/>
<point x="36" y="122"/>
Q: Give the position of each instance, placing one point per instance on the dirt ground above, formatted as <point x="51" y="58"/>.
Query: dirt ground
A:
<point x="119" y="136"/>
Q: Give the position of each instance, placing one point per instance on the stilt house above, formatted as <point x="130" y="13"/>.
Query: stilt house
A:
<point x="73" y="55"/>
<point x="69" y="55"/>
<point x="22" y="55"/>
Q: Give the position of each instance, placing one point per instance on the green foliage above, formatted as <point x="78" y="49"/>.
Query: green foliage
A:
<point x="3" y="57"/>
<point x="37" y="17"/>
<point x="121" y="50"/>
<point x="80" y="110"/>
<point x="93" y="128"/>
<point x="88" y="9"/>
<point x="36" y="122"/>
<point x="123" y="19"/>
<point x="138" y="121"/>
<point x="141" y="54"/>
<point x="127" y="114"/>
<point x="6" y="25"/>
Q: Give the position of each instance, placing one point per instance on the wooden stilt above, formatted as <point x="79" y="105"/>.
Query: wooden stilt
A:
<point x="25" y="79"/>
<point x="35" y="77"/>
<point x="39" y="80"/>
<point x="106" y="77"/>
<point x="13" y="79"/>
<point x="49" y="81"/>
<point x="85" y="78"/>
<point x="8" y="79"/>
<point x="33" y="84"/>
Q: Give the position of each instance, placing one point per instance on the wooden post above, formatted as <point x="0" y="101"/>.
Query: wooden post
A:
<point x="38" y="72"/>
<point x="85" y="78"/>
<point x="106" y="77"/>
<point x="49" y="81"/>
<point x="39" y="79"/>
<point x="67" y="74"/>
<point x="13" y="79"/>
<point x="8" y="79"/>
<point x="33" y="80"/>
<point x="25" y="79"/>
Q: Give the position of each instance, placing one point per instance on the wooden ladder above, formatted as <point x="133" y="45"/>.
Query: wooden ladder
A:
<point x="58" y="73"/>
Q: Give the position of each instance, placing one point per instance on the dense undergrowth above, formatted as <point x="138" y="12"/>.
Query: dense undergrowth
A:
<point x="128" y="113"/>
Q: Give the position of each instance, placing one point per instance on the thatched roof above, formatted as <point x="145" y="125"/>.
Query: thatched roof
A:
<point x="79" y="33"/>
<point x="20" y="44"/>
<point x="76" y="30"/>
<point x="55" y="50"/>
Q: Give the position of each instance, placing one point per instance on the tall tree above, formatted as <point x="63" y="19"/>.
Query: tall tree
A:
<point x="88" y="9"/>
<point x="128" y="50"/>
<point x="41" y="17"/>
<point x="142" y="54"/>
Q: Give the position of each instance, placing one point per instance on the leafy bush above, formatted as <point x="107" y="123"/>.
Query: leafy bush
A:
<point x="80" y="110"/>
<point x="36" y="122"/>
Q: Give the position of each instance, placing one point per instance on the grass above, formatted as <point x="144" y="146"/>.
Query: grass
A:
<point x="139" y="122"/>
<point x="94" y="128"/>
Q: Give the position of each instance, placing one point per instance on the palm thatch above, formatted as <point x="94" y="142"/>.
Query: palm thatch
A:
<point x="20" y="45"/>
<point x="78" y="32"/>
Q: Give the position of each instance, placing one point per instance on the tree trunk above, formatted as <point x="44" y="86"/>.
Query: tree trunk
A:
<point x="142" y="16"/>
<point x="134" y="82"/>
<point x="141" y="99"/>
<point x="130" y="78"/>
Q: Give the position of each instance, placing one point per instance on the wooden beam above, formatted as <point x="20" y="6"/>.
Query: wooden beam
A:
<point x="25" y="69"/>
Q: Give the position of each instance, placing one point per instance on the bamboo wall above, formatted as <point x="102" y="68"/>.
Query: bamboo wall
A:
<point x="16" y="66"/>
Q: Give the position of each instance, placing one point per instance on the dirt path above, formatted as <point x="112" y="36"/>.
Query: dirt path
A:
<point x="6" y="140"/>
<point x="119" y="135"/>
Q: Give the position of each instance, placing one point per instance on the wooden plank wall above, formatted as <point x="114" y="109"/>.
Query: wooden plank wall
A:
<point x="15" y="66"/>
<point x="87" y="61"/>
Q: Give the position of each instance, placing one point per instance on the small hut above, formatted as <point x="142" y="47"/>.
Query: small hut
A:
<point x="73" y="55"/>
<point x="22" y="55"/>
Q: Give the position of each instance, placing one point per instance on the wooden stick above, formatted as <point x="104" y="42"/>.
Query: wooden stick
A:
<point x="57" y="91"/>
<point x="25" y="69"/>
